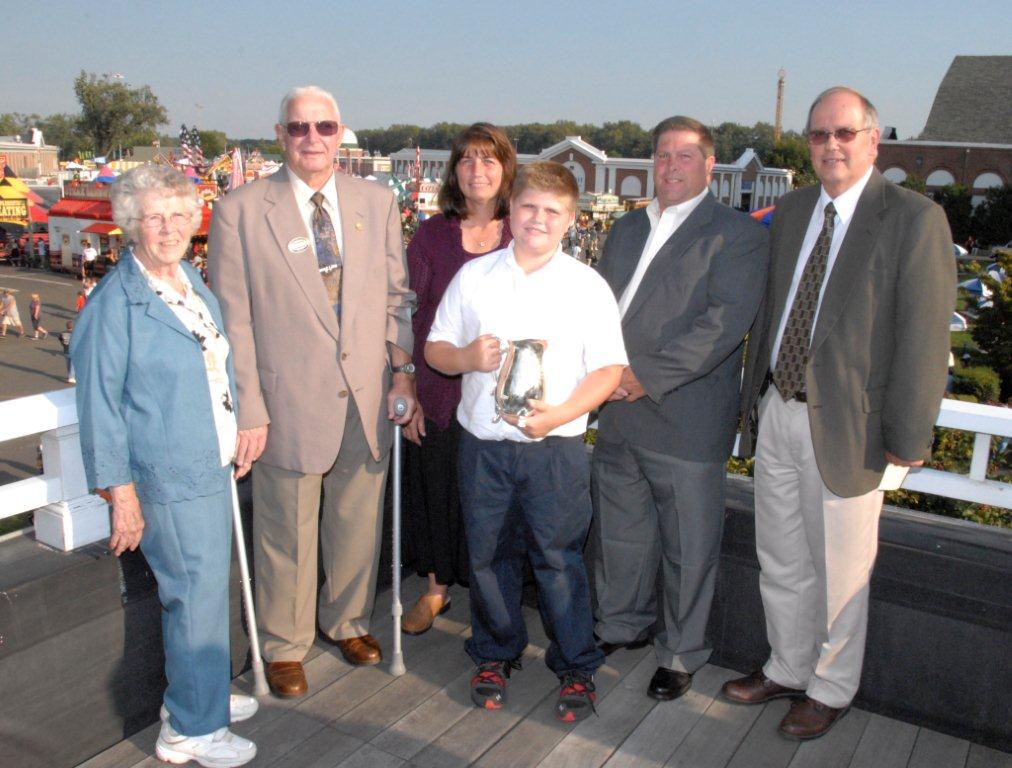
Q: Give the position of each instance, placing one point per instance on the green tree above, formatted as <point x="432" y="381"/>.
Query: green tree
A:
<point x="622" y="139"/>
<point x="16" y="123"/>
<point x="64" y="131"/>
<point x="439" y="136"/>
<point x="992" y="219"/>
<point x="731" y="139"/>
<point x="114" y="114"/>
<point x="532" y="138"/>
<point x="993" y="329"/>
<point x="955" y="201"/>
<point x="389" y="140"/>
<point x="212" y="143"/>
<point x="792" y="152"/>
<point x="916" y="183"/>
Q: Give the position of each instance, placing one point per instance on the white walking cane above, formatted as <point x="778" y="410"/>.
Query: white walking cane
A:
<point x="397" y="667"/>
<point x="259" y="678"/>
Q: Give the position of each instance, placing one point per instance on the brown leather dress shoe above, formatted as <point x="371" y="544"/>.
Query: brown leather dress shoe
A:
<point x="360" y="651"/>
<point x="809" y="719"/>
<point x="287" y="679"/>
<point x="419" y="619"/>
<point x="756" y="689"/>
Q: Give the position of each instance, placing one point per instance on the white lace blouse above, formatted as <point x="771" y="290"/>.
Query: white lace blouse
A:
<point x="196" y="318"/>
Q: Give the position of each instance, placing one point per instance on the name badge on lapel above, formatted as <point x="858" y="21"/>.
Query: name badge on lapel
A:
<point x="298" y="244"/>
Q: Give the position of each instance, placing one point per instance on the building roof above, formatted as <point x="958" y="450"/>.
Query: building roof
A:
<point x="972" y="103"/>
<point x="574" y="142"/>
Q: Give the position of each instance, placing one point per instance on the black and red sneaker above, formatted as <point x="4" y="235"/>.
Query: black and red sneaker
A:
<point x="488" y="686"/>
<point x="576" y="697"/>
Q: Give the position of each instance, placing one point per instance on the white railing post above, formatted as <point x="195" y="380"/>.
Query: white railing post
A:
<point x="66" y="515"/>
<point x="981" y="456"/>
<point x="79" y="517"/>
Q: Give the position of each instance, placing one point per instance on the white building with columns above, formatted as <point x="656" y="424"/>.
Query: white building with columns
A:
<point x="746" y="183"/>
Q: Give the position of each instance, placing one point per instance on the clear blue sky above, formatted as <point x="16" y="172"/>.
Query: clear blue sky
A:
<point x="507" y="62"/>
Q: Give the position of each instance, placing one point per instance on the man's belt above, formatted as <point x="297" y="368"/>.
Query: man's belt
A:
<point x="801" y="396"/>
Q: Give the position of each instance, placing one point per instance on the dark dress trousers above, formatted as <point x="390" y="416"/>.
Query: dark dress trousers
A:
<point x="659" y="462"/>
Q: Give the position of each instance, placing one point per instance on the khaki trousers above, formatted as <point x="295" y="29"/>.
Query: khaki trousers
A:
<point x="288" y="529"/>
<point x="816" y="551"/>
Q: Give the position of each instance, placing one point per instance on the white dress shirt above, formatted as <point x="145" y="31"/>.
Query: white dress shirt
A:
<point x="303" y="198"/>
<point x="565" y="302"/>
<point x="845" y="206"/>
<point x="663" y="224"/>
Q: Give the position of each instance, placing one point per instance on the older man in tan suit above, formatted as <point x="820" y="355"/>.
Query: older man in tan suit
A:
<point x="309" y="268"/>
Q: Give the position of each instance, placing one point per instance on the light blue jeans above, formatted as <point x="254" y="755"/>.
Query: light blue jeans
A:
<point x="188" y="546"/>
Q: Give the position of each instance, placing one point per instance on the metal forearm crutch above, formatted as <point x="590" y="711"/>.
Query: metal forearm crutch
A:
<point x="397" y="667"/>
<point x="259" y="678"/>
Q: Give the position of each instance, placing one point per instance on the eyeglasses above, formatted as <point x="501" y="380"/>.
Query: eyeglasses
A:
<point x="298" y="129"/>
<point x="843" y="135"/>
<point x="157" y="221"/>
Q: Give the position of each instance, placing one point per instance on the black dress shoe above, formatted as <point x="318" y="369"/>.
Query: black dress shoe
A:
<point x="668" y="684"/>
<point x="610" y="648"/>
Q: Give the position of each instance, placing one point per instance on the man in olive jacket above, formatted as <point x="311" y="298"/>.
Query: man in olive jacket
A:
<point x="845" y="371"/>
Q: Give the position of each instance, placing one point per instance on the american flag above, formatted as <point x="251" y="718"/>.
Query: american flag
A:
<point x="238" y="177"/>
<point x="189" y="145"/>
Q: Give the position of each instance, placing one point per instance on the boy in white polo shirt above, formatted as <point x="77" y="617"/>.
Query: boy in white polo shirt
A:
<point x="524" y="482"/>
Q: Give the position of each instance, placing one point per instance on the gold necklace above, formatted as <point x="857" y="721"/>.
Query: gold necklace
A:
<point x="484" y="243"/>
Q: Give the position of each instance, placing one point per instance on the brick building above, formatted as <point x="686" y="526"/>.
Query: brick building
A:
<point x="967" y="139"/>
<point x="746" y="183"/>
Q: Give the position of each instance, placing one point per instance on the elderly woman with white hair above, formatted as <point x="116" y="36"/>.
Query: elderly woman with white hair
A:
<point x="155" y="400"/>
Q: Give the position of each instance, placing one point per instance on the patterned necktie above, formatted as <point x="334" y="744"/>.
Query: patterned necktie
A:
<point x="789" y="374"/>
<point x="328" y="255"/>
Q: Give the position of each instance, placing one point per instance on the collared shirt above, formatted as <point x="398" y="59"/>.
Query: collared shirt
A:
<point x="663" y="224"/>
<point x="565" y="302"/>
<point x="193" y="313"/>
<point x="845" y="206"/>
<point x="304" y="193"/>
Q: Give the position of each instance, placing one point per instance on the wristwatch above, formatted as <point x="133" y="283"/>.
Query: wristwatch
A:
<point x="408" y="368"/>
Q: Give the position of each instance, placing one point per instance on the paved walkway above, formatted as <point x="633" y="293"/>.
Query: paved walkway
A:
<point x="29" y="367"/>
<point x="363" y="717"/>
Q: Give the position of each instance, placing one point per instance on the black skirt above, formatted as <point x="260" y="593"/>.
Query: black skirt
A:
<point x="435" y="541"/>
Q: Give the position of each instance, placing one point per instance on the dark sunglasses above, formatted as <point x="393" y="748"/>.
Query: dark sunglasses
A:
<point x="843" y="135"/>
<point x="297" y="129"/>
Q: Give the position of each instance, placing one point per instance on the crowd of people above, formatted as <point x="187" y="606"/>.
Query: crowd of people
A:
<point x="316" y="323"/>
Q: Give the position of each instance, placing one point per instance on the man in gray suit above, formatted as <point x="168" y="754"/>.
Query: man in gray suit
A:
<point x="688" y="273"/>
<point x="846" y="369"/>
<point x="310" y="272"/>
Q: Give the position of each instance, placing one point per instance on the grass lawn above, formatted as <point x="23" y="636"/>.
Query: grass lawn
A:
<point x="962" y="340"/>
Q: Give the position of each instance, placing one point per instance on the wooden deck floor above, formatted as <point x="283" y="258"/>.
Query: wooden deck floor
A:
<point x="364" y="718"/>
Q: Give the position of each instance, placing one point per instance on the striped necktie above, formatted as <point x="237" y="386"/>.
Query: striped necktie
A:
<point x="789" y="374"/>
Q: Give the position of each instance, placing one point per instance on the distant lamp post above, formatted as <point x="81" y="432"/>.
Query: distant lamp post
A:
<point x="122" y="78"/>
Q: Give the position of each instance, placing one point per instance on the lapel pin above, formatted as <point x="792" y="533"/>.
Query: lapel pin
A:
<point x="358" y="225"/>
<point x="298" y="244"/>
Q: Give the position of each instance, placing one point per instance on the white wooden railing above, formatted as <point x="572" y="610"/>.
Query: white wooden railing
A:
<point x="67" y="516"/>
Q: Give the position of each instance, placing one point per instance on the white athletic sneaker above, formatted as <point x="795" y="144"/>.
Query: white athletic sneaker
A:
<point x="221" y="749"/>
<point x="239" y="708"/>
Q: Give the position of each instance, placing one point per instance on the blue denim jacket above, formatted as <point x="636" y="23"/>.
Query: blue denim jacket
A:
<point x="143" y="401"/>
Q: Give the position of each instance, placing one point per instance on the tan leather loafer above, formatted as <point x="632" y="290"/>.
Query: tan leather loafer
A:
<point x="809" y="719"/>
<point x="360" y="651"/>
<point x="287" y="679"/>
<point x="419" y="619"/>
